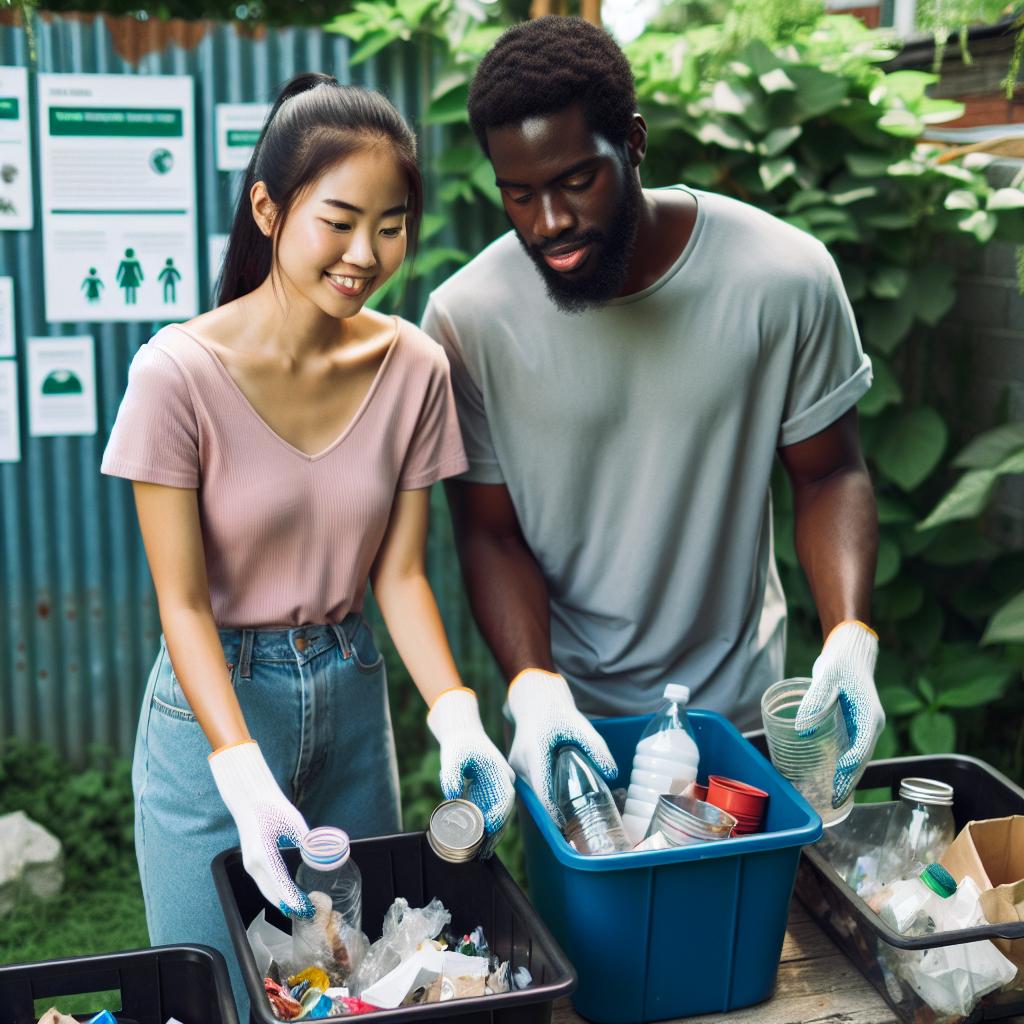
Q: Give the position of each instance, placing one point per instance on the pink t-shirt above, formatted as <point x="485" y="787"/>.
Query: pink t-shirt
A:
<point x="289" y="538"/>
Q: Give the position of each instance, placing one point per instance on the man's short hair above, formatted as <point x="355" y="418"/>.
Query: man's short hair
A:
<point x="546" y="65"/>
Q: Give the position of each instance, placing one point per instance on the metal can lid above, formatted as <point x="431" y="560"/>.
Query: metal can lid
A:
<point x="927" y="791"/>
<point x="456" y="830"/>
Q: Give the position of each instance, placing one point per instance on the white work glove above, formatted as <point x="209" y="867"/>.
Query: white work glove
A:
<point x="546" y="718"/>
<point x="265" y="820"/>
<point x="846" y="666"/>
<point x="467" y="752"/>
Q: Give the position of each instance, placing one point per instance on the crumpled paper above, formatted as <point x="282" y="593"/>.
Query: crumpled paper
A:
<point x="54" y="1016"/>
<point x="421" y="970"/>
<point x="405" y="930"/>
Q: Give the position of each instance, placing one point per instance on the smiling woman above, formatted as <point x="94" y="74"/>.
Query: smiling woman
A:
<point x="282" y="447"/>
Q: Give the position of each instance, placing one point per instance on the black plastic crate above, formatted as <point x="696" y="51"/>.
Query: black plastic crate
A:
<point x="187" y="982"/>
<point x="404" y="865"/>
<point x="979" y="792"/>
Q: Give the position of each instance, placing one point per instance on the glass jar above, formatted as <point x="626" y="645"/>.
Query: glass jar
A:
<point x="920" y="830"/>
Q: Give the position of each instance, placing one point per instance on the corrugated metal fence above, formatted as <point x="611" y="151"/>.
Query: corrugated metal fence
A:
<point x="78" y="618"/>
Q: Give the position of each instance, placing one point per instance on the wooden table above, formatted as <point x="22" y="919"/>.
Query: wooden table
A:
<point x="817" y="984"/>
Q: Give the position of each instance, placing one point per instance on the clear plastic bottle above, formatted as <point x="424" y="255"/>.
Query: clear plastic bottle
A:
<point x="916" y="906"/>
<point x="327" y="867"/>
<point x="592" y="824"/>
<point x="665" y="761"/>
<point x="920" y="830"/>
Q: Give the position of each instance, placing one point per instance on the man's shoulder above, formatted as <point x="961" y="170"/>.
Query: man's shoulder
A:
<point x="754" y="238"/>
<point x="495" y="276"/>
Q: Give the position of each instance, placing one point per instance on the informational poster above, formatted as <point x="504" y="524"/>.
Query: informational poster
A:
<point x="238" y="128"/>
<point x="216" y="246"/>
<point x="119" y="197"/>
<point x="6" y="316"/>
<point x="15" y="151"/>
<point x="61" y="386"/>
<point x="10" y="438"/>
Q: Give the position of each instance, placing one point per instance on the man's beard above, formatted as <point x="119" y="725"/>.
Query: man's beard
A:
<point x="612" y="251"/>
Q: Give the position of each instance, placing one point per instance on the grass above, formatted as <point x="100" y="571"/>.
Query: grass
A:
<point x="93" y="914"/>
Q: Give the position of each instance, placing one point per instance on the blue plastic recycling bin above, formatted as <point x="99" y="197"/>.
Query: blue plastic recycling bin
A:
<point x="672" y="933"/>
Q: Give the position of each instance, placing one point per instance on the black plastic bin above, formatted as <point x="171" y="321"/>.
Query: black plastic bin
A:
<point x="979" y="792"/>
<point x="404" y="865"/>
<point x="187" y="982"/>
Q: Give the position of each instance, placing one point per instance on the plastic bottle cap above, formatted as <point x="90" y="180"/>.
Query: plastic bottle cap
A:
<point x="939" y="880"/>
<point x="325" y="848"/>
<point x="927" y="791"/>
<point x="677" y="691"/>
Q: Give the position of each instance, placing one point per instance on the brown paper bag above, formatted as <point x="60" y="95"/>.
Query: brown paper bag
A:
<point x="992" y="854"/>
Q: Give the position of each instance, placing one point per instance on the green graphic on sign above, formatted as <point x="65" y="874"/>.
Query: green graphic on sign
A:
<point x="137" y="123"/>
<point x="161" y="160"/>
<point x="169" y="277"/>
<point x="243" y="138"/>
<point x="92" y="286"/>
<point x="61" y="382"/>
<point x="129" y="276"/>
<point x="9" y="108"/>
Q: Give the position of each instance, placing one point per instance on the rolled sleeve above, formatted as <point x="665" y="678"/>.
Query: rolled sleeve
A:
<point x="830" y="371"/>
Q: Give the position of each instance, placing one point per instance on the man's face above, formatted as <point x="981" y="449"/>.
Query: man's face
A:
<point x="574" y="202"/>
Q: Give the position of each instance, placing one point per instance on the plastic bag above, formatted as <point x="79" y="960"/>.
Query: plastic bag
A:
<point x="327" y="942"/>
<point x="404" y="930"/>
<point x="953" y="979"/>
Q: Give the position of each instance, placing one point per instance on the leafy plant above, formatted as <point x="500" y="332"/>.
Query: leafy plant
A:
<point x="817" y="133"/>
<point x="805" y="123"/>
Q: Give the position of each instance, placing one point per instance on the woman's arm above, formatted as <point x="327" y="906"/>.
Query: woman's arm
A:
<point x="407" y="603"/>
<point x="169" y="520"/>
<point x="403" y="594"/>
<point x="265" y="818"/>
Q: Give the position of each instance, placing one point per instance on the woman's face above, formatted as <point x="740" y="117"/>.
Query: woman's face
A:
<point x="344" y="236"/>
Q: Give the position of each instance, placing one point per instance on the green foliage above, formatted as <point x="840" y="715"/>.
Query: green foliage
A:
<point x="790" y="110"/>
<point x="89" y="810"/>
<point x="815" y="132"/>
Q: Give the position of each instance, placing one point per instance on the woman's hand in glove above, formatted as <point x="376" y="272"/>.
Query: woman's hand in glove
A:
<point x="467" y="752"/>
<point x="266" y="821"/>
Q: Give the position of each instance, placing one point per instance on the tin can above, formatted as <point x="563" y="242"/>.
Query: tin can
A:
<point x="456" y="830"/>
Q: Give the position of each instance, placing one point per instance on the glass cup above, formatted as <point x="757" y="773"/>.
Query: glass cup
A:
<point x="808" y="762"/>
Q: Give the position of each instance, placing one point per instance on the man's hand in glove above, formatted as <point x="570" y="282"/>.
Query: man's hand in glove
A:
<point x="846" y="666"/>
<point x="546" y="718"/>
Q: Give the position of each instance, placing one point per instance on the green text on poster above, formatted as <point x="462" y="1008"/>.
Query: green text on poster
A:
<point x="125" y="121"/>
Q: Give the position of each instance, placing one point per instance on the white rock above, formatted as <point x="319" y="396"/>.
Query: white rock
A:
<point x="30" y="858"/>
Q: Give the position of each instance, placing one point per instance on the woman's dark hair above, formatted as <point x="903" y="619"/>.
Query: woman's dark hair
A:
<point x="314" y="123"/>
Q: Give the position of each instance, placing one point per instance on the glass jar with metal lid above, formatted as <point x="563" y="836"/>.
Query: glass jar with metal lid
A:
<point x="920" y="830"/>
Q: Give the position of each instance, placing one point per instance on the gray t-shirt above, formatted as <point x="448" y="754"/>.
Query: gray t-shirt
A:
<point x="637" y="440"/>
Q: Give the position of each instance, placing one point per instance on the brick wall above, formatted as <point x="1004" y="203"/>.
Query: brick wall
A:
<point x="980" y="354"/>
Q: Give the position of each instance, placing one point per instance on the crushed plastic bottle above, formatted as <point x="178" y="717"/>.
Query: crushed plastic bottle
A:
<point x="591" y="821"/>
<point x="914" y="906"/>
<point x="665" y="761"/>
